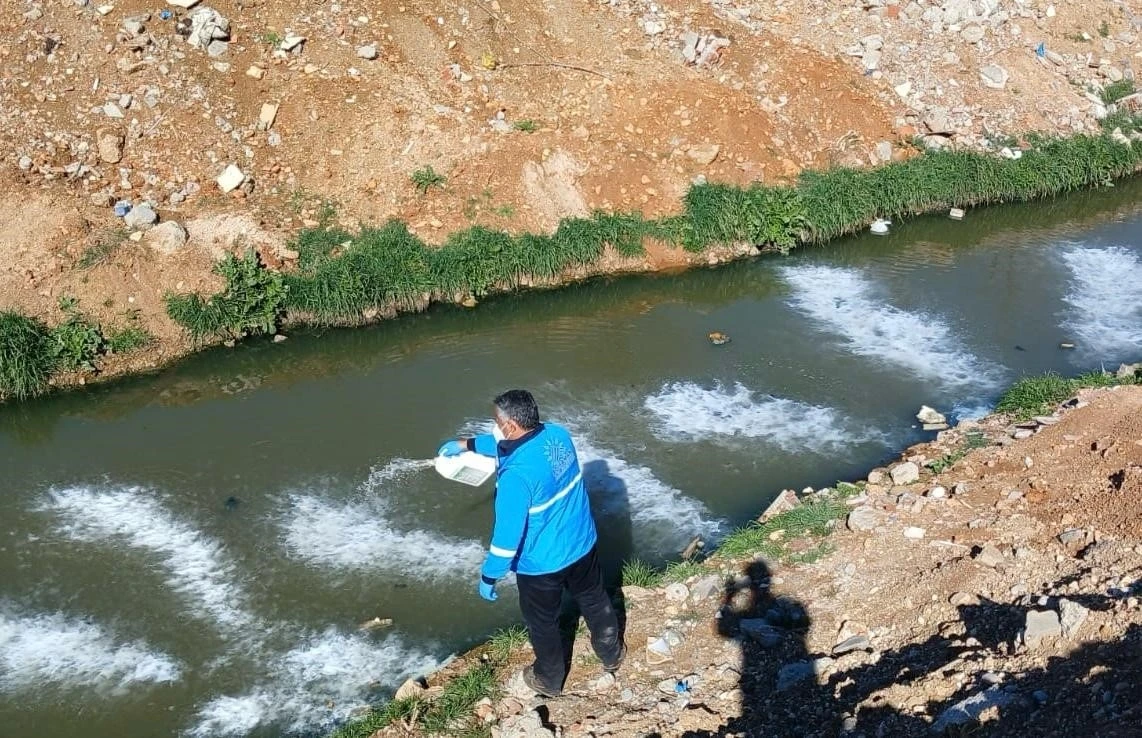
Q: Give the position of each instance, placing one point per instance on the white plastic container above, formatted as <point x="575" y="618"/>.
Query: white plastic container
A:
<point x="467" y="468"/>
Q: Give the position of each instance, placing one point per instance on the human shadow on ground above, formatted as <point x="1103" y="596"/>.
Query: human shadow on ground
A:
<point x="1095" y="689"/>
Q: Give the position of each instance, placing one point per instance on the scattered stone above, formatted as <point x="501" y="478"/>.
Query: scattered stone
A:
<point x="994" y="76"/>
<point x="937" y="493"/>
<point x="903" y="89"/>
<point x="760" y="631"/>
<point x="853" y="643"/>
<point x="110" y="146"/>
<point x="706" y="587"/>
<point x="677" y="592"/>
<point x="141" y="217"/>
<point x="956" y="214"/>
<point x="1021" y="433"/>
<point x="884" y="151"/>
<point x="784" y="502"/>
<point x="704" y="153"/>
<point x="963" y="599"/>
<point x="864" y="520"/>
<point x="1072" y="535"/>
<point x="1040" y="625"/>
<point x="877" y="476"/>
<point x="989" y="555"/>
<point x="905" y="473"/>
<point x="973" y="34"/>
<point x="267" y="116"/>
<point x="291" y="42"/>
<point x="186" y="4"/>
<point x="368" y="51"/>
<point x="792" y="674"/>
<point x="1125" y="371"/>
<point x="411" y="688"/>
<point x="217" y="48"/>
<point x="166" y="238"/>
<point x="111" y="110"/>
<point x="525" y="725"/>
<point x="230" y="179"/>
<point x="1071" y="617"/>
<point x="914" y="533"/>
<point x="256" y="72"/>
<point x="969" y="710"/>
<point x="605" y="683"/>
<point x="929" y="416"/>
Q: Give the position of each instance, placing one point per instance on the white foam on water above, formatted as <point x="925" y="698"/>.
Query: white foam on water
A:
<point x="196" y="566"/>
<point x="1105" y="299"/>
<point x="359" y="536"/>
<point x="54" y="650"/>
<point x="315" y="685"/>
<point x="844" y="301"/>
<point x="687" y="411"/>
<point x="662" y="517"/>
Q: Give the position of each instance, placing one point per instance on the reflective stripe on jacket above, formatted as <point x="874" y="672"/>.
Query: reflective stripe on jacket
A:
<point x="543" y="516"/>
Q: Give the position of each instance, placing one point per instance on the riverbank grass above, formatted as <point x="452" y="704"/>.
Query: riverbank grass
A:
<point x="813" y="519"/>
<point x="1041" y="394"/>
<point x="27" y="356"/>
<point x="346" y="279"/>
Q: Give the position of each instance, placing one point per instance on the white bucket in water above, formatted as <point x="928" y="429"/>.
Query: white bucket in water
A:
<point x="467" y="468"/>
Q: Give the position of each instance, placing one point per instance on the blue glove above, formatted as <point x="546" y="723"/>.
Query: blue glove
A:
<point x="488" y="591"/>
<point x="451" y="448"/>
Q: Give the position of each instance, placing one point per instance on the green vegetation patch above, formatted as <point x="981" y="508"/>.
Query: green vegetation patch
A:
<point x="506" y="640"/>
<point x="27" y="356"/>
<point x="1040" y="395"/>
<point x="252" y="302"/>
<point x="814" y="518"/>
<point x="638" y="573"/>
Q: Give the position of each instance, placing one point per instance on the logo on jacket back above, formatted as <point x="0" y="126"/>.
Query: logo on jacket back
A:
<point x="559" y="456"/>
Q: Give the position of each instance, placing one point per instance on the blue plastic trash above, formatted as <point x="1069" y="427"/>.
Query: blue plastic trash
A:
<point x="122" y="208"/>
<point x="165" y="14"/>
<point x="1041" y="49"/>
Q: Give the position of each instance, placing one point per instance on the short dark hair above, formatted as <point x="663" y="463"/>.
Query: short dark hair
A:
<point x="519" y="407"/>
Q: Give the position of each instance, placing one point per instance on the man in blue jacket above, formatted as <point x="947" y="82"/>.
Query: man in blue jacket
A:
<point x="543" y="532"/>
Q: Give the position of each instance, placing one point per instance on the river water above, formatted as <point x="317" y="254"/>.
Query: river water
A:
<point x="192" y="553"/>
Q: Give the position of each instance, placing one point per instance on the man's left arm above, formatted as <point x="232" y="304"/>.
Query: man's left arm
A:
<point x="512" y="500"/>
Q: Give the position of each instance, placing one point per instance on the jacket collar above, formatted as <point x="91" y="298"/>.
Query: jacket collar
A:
<point x="506" y="448"/>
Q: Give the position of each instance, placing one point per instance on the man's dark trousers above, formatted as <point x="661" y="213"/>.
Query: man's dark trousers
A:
<point x="540" y="598"/>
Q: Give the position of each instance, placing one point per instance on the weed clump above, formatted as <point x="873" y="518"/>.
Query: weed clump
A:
<point x="27" y="356"/>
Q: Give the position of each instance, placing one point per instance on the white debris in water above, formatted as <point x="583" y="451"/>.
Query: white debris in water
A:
<point x="315" y="685"/>
<point x="687" y="411"/>
<point x="196" y="566"/>
<point x="51" y="650"/>
<point x="1105" y="299"/>
<point x="844" y="301"/>
<point x="359" y="536"/>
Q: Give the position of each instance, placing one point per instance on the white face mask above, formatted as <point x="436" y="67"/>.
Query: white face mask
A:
<point x="496" y="432"/>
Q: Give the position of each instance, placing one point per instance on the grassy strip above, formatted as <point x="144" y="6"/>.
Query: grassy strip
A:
<point x="30" y="352"/>
<point x="814" y="518"/>
<point x="1040" y="395"/>
<point x="27" y="359"/>
<point x="342" y="278"/>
